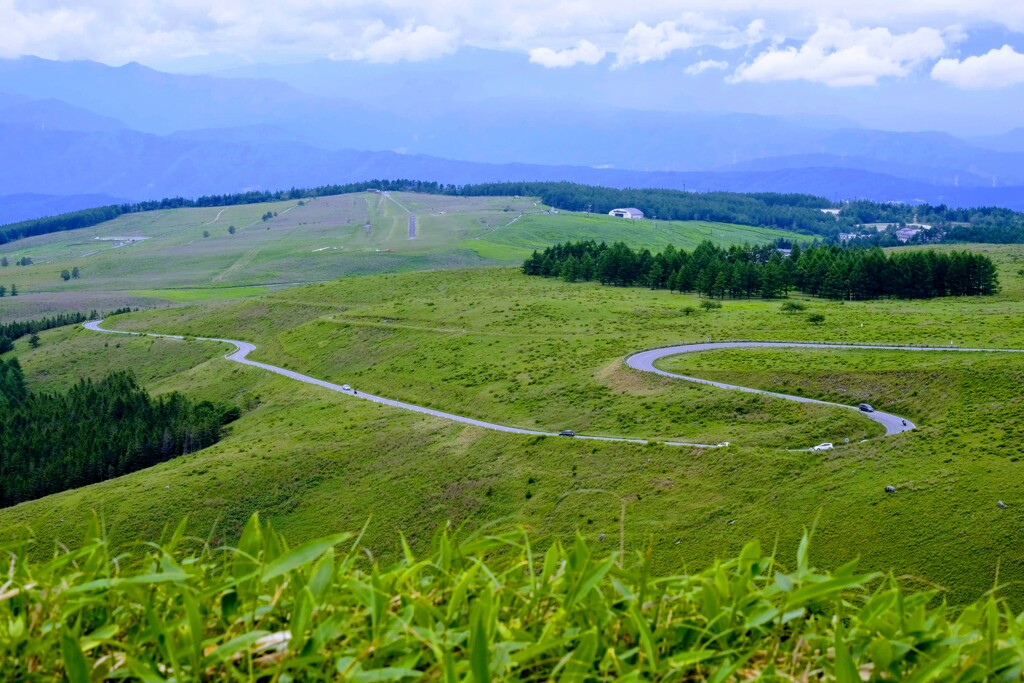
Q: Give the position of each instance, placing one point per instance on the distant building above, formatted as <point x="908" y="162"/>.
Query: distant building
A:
<point x="626" y="213"/>
<point x="834" y="212"/>
<point x="847" y="236"/>
<point x="904" y="234"/>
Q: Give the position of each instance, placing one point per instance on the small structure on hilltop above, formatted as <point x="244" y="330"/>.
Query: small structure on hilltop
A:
<point x="626" y="213"/>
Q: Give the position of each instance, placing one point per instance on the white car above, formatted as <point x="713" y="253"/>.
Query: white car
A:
<point x="823" y="447"/>
<point x="345" y="387"/>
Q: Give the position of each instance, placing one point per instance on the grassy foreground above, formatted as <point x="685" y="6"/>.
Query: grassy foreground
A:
<point x="320" y="611"/>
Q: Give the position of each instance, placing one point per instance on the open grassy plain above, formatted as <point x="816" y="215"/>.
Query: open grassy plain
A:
<point x="189" y="255"/>
<point x="492" y="343"/>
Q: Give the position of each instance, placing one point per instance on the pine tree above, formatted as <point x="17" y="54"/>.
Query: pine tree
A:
<point x="655" y="276"/>
<point x="570" y="269"/>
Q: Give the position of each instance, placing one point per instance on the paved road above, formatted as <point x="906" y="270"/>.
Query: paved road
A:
<point x="644" y="361"/>
<point x="894" y="424"/>
<point x="243" y="349"/>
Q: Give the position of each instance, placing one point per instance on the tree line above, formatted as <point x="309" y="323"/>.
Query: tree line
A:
<point x="797" y="212"/>
<point x="828" y="271"/>
<point x="51" y="441"/>
<point x="12" y="331"/>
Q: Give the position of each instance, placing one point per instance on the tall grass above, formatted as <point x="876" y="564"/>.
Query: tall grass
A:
<point x="484" y="607"/>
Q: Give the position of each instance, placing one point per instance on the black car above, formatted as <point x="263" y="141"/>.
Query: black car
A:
<point x="567" y="432"/>
<point x="866" y="408"/>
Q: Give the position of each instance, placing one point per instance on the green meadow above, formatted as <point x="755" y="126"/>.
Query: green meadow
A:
<point x="539" y="353"/>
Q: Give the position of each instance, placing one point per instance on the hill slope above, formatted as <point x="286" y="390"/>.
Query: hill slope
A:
<point x="541" y="353"/>
<point x="190" y="254"/>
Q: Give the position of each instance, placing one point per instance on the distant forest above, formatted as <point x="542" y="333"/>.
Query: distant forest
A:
<point x="11" y="332"/>
<point x="52" y="442"/>
<point x="797" y="212"/>
<point x="741" y="272"/>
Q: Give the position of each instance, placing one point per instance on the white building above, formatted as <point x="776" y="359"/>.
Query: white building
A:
<point x="904" y="234"/>
<point x="626" y="213"/>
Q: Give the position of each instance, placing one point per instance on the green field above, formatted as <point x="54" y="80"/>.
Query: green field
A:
<point x="312" y="241"/>
<point x="492" y="343"/>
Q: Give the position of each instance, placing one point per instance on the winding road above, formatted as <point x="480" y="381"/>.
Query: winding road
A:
<point x="243" y="349"/>
<point x="643" y="361"/>
<point x="894" y="424"/>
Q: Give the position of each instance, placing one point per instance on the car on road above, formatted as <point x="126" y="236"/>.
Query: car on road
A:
<point x="823" y="447"/>
<point x="567" y="432"/>
<point x="866" y="408"/>
<point x="345" y="387"/>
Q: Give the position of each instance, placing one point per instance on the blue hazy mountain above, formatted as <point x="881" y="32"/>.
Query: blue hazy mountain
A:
<point x="55" y="115"/>
<point x="134" y="165"/>
<point x="86" y="129"/>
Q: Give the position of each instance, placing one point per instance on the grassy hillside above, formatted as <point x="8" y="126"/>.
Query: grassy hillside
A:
<point x="311" y="241"/>
<point x="541" y="353"/>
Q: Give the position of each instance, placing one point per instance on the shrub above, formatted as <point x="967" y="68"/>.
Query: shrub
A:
<point x="816" y="318"/>
<point x="793" y="306"/>
<point x="709" y="305"/>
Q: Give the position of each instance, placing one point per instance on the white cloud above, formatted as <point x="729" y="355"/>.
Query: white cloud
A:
<point x="705" y="65"/>
<point x="585" y="52"/>
<point x="162" y="31"/>
<point x="410" y="44"/>
<point x="644" y="43"/>
<point x="996" y="69"/>
<point x="841" y="56"/>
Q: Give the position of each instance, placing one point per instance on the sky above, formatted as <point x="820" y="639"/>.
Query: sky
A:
<point x="964" y="45"/>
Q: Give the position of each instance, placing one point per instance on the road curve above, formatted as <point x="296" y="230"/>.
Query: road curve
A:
<point x="894" y="424"/>
<point x="243" y="349"/>
<point x="643" y="361"/>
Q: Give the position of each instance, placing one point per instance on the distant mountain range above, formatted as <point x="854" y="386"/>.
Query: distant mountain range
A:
<point x="72" y="133"/>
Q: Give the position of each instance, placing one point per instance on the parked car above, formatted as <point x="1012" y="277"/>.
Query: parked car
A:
<point x="823" y="447"/>
<point x="345" y="387"/>
<point x="866" y="408"/>
<point x="567" y="432"/>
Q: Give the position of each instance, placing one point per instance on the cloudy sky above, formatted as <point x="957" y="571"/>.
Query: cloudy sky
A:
<point x="838" y="43"/>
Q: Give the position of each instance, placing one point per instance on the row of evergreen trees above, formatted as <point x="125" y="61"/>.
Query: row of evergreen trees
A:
<point x="800" y="212"/>
<point x="12" y="331"/>
<point x="88" y="217"/>
<point x="52" y="442"/>
<point x="739" y="272"/>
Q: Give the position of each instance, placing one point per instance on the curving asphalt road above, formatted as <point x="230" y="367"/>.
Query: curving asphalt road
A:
<point x="644" y="361"/>
<point x="894" y="424"/>
<point x="243" y="349"/>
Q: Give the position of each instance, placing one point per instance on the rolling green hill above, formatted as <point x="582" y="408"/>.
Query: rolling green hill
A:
<point x="492" y="343"/>
<point x="189" y="255"/>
